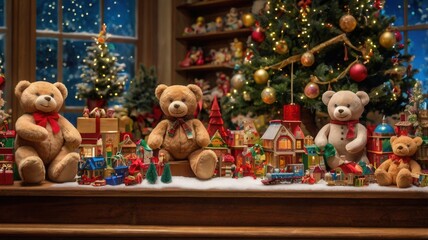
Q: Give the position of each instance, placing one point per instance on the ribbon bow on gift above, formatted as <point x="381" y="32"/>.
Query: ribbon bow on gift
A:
<point x="42" y="118"/>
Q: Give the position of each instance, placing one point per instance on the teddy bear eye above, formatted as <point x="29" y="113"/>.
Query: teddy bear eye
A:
<point x="348" y="105"/>
<point x="171" y="100"/>
<point x="408" y="145"/>
<point x="37" y="94"/>
<point x="335" y="105"/>
<point x="52" y="95"/>
<point x="183" y="100"/>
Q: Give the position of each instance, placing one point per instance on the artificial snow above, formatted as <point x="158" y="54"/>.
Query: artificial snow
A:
<point x="243" y="184"/>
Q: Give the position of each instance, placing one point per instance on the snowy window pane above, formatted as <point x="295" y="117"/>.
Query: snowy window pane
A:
<point x="2" y="13"/>
<point x="47" y="15"/>
<point x="419" y="47"/>
<point x="46" y="59"/>
<point x="2" y="57"/>
<point x="395" y="8"/>
<point x="418" y="12"/>
<point x="126" y="55"/>
<point x="81" y="16"/>
<point x="73" y="55"/>
<point x="119" y="16"/>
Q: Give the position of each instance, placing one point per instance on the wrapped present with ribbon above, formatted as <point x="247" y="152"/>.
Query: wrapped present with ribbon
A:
<point x="6" y="173"/>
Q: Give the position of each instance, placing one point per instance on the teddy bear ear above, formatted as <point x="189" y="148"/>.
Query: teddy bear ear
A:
<point x="20" y="87"/>
<point x="418" y="141"/>
<point x="159" y="90"/>
<point x="364" y="97"/>
<point x="62" y="88"/>
<point x="393" y="138"/>
<point x="327" y="96"/>
<point x="196" y="90"/>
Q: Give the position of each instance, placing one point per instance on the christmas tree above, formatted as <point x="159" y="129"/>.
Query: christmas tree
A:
<point x="300" y="49"/>
<point x="166" y="174"/>
<point x="152" y="175"/>
<point x="140" y="97"/>
<point x="216" y="121"/>
<point x="100" y="78"/>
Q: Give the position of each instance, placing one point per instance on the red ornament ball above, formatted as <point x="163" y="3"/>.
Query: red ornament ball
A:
<point x="258" y="35"/>
<point x="398" y="36"/>
<point x="358" y="72"/>
<point x="312" y="90"/>
<point x="2" y="80"/>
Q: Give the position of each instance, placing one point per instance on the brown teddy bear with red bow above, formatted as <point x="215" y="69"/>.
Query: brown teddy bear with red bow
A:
<point x="45" y="141"/>
<point x="400" y="168"/>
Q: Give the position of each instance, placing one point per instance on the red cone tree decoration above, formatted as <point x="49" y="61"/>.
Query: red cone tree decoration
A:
<point x="216" y="122"/>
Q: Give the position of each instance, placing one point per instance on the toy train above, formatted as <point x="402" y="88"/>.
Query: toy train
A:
<point x="292" y="173"/>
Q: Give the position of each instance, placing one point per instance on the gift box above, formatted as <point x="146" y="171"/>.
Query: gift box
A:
<point x="97" y="125"/>
<point x="6" y="173"/>
<point x="114" y="180"/>
<point x="7" y="139"/>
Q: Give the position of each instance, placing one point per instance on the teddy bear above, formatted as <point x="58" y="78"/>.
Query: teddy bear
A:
<point x="344" y="133"/>
<point x="45" y="141"/>
<point x="180" y="136"/>
<point x="400" y="168"/>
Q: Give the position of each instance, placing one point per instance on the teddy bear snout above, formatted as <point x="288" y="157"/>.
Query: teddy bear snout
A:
<point x="176" y="105"/>
<point x="400" y="147"/>
<point x="47" y="98"/>
<point x="341" y="110"/>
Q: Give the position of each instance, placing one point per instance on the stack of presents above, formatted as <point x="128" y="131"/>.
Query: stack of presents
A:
<point x="7" y="165"/>
<point x="108" y="153"/>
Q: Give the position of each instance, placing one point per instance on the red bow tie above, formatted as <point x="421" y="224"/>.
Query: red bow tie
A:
<point x="43" y="118"/>
<point x="351" y="127"/>
<point x="397" y="159"/>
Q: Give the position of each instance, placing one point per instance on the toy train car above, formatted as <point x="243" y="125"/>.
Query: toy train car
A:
<point x="292" y="173"/>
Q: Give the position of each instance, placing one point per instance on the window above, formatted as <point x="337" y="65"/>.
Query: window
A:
<point x="5" y="52"/>
<point x="284" y="143"/>
<point x="65" y="28"/>
<point x="412" y="21"/>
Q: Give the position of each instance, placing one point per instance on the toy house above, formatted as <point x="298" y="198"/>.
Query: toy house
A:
<point x="311" y="159"/>
<point x="93" y="167"/>
<point x="404" y="127"/>
<point x="283" y="146"/>
<point x="219" y="146"/>
<point x="227" y="166"/>
<point x="378" y="144"/>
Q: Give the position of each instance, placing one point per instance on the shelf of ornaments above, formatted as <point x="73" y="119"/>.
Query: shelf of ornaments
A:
<point x="213" y="36"/>
<point x="206" y="67"/>
<point x="202" y="7"/>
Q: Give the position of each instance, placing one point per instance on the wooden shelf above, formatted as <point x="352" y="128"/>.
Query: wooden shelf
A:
<point x="213" y="36"/>
<point x="203" y="7"/>
<point x="51" y="211"/>
<point x="206" y="67"/>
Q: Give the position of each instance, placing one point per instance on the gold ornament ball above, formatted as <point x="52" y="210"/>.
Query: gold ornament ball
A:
<point x="261" y="76"/>
<point x="281" y="47"/>
<point x="248" y="19"/>
<point x="307" y="59"/>
<point x="238" y="81"/>
<point x="347" y="23"/>
<point x="387" y="39"/>
<point x="268" y="95"/>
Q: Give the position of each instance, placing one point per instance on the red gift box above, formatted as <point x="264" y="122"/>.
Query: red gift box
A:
<point x="6" y="173"/>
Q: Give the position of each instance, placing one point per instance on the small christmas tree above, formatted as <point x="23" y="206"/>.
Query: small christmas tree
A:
<point x="216" y="122"/>
<point x="166" y="174"/>
<point x="3" y="115"/>
<point x="100" y="79"/>
<point x="140" y="97"/>
<point x="152" y="175"/>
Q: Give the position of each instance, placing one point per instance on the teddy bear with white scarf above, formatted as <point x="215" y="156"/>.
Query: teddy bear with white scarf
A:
<point x="344" y="132"/>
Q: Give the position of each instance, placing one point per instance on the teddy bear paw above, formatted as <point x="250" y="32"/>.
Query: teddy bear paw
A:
<point x="64" y="170"/>
<point x="206" y="165"/>
<point x="32" y="170"/>
<point x="383" y="178"/>
<point x="404" y="179"/>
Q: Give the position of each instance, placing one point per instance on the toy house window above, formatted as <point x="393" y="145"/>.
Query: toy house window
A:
<point x="285" y="143"/>
<point x="299" y="144"/>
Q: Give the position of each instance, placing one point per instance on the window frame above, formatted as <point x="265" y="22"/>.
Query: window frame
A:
<point x="23" y="22"/>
